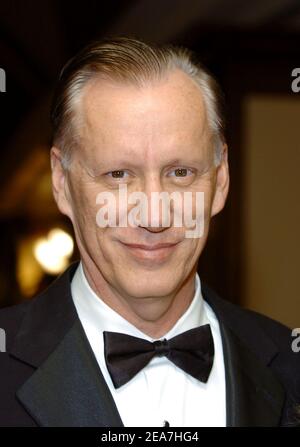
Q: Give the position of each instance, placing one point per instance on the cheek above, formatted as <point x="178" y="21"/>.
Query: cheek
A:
<point x="85" y="226"/>
<point x="196" y="211"/>
<point x="208" y="201"/>
<point x="84" y="206"/>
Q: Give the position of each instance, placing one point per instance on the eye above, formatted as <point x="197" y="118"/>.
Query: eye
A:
<point x="182" y="172"/>
<point x="119" y="174"/>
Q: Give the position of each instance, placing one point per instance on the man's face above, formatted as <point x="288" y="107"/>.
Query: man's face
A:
<point x="151" y="139"/>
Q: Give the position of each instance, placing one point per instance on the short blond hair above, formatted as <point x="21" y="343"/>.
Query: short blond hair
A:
<point x="128" y="60"/>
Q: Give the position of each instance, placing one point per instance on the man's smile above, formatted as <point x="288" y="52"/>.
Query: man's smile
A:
<point x="154" y="253"/>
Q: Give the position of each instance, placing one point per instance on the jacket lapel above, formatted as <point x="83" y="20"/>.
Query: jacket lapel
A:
<point x="67" y="388"/>
<point x="254" y="396"/>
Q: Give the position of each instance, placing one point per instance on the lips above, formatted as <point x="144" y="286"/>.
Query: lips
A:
<point x="151" y="253"/>
<point x="151" y="247"/>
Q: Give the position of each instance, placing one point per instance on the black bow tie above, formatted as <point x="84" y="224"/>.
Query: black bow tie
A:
<point x="192" y="351"/>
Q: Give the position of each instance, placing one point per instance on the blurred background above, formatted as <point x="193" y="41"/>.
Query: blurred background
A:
<point x="252" y="256"/>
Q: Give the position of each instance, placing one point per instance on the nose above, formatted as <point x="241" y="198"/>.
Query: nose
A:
<point x="158" y="208"/>
<point x="155" y="229"/>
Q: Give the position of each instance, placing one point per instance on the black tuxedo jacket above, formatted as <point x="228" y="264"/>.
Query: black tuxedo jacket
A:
<point x="50" y="377"/>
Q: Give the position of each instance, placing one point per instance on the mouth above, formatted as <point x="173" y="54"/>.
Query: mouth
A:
<point x="156" y="252"/>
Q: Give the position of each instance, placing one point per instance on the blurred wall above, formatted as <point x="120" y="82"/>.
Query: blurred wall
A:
<point x="271" y="206"/>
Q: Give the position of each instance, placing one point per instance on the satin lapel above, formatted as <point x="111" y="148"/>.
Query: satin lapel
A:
<point x="254" y="396"/>
<point x="68" y="389"/>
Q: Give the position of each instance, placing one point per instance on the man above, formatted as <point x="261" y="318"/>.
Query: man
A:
<point x="130" y="336"/>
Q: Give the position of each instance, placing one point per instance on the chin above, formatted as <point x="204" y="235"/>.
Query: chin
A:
<point x="151" y="285"/>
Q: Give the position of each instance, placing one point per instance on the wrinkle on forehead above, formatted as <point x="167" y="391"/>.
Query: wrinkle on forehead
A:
<point x="160" y="116"/>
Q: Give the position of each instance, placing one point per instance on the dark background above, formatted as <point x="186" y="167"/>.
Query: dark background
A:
<point x="250" y="46"/>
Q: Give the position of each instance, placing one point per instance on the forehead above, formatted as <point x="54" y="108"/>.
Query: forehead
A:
<point x="156" y="116"/>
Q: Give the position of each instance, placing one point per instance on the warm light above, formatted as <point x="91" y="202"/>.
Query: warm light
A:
<point x="53" y="252"/>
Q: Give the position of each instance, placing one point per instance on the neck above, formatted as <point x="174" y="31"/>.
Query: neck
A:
<point x="154" y="316"/>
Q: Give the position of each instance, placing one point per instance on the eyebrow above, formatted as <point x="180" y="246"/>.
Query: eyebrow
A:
<point x="129" y="163"/>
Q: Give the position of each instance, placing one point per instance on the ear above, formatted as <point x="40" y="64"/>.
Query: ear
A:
<point x="222" y="183"/>
<point x="59" y="183"/>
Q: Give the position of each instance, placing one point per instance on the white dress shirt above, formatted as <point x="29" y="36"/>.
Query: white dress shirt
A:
<point x="161" y="391"/>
